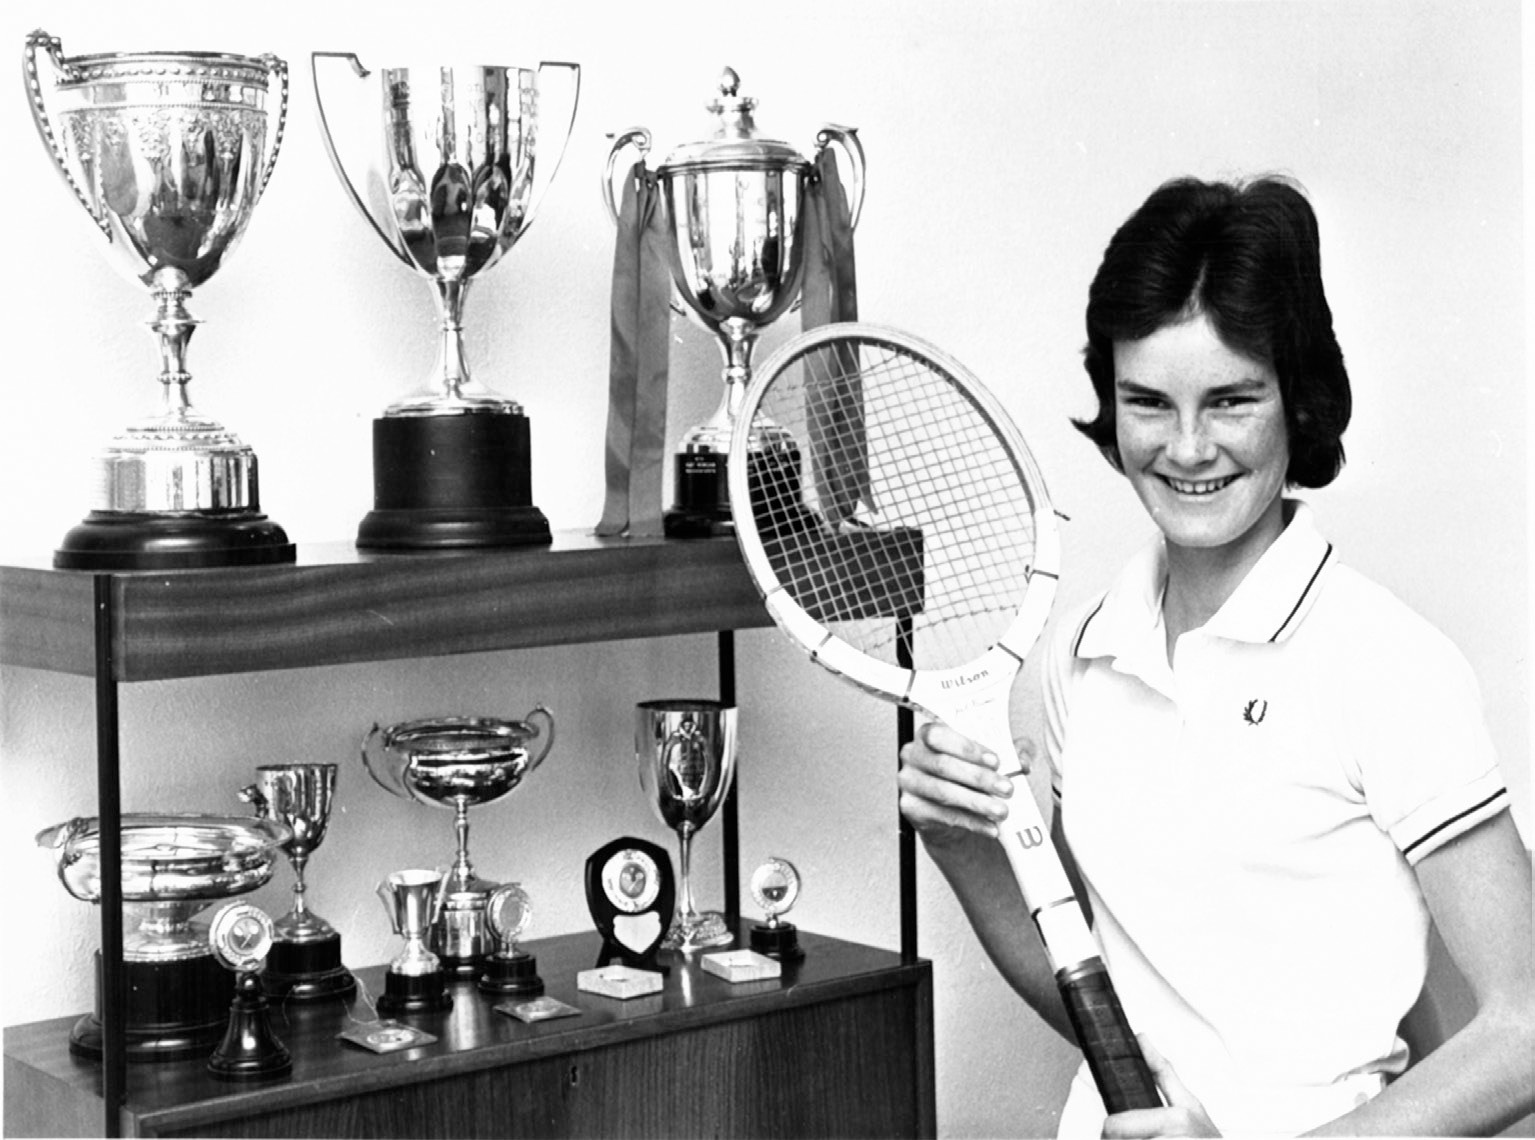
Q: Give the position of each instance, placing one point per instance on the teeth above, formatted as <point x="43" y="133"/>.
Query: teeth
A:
<point x="1206" y="488"/>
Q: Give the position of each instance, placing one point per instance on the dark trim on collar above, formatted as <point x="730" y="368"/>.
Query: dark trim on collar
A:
<point x="1301" y="601"/>
<point x="1076" y="648"/>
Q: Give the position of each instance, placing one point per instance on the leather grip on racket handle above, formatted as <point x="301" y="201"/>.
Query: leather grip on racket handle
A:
<point x="1113" y="1056"/>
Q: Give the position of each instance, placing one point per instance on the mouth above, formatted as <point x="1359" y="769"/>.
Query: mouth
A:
<point x="1198" y="488"/>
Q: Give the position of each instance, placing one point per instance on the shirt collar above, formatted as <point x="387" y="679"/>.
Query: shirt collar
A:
<point x="1268" y="606"/>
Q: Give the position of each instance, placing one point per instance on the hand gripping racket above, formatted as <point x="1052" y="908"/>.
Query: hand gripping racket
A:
<point x="913" y="552"/>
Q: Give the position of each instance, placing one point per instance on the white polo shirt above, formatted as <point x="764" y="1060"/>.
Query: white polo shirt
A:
<point x="1246" y="819"/>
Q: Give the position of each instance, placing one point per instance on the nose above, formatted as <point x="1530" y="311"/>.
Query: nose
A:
<point x="1191" y="444"/>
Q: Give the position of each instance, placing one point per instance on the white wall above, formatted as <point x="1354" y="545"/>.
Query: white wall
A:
<point x="1005" y="142"/>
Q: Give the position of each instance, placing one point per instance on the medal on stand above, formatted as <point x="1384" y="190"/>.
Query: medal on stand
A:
<point x="775" y="886"/>
<point x="509" y="970"/>
<point x="241" y="936"/>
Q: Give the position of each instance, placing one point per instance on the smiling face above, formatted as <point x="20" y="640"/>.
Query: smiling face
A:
<point x="1202" y="437"/>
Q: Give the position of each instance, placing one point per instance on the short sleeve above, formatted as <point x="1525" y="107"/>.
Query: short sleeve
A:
<point x="1425" y="760"/>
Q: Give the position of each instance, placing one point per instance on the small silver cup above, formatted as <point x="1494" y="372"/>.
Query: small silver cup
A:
<point x="413" y="901"/>
<point x="686" y="751"/>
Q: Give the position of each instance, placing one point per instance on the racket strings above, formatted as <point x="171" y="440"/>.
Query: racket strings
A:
<point x="902" y="501"/>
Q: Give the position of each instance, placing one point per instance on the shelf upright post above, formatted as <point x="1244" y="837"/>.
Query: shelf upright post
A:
<point x="906" y="840"/>
<point x="730" y="818"/>
<point x="109" y="811"/>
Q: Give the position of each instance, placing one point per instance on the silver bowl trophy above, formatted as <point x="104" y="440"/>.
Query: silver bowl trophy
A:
<point x="687" y="754"/>
<point x="775" y="886"/>
<point x="448" y="165"/>
<point x="459" y="763"/>
<point x="414" y="981"/>
<point x="240" y="936"/>
<point x="510" y="970"/>
<point x="734" y="211"/>
<point x="173" y="866"/>
<point x="168" y="152"/>
<point x="305" y="959"/>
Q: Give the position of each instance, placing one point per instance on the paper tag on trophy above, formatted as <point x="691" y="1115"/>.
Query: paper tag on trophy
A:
<point x="385" y="1036"/>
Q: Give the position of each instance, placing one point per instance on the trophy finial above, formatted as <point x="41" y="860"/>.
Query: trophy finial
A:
<point x="730" y="83"/>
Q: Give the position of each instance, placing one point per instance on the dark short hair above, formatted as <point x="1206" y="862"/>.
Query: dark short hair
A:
<point x="1247" y="256"/>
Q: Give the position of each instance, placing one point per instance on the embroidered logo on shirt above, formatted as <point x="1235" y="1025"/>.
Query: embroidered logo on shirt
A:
<point x="1255" y="711"/>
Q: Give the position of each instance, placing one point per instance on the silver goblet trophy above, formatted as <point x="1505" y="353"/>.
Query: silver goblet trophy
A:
<point x="305" y="959"/>
<point x="168" y="152"/>
<point x="734" y="214"/>
<point x="414" y="981"/>
<point x="687" y="754"/>
<point x="448" y="164"/>
<point x="459" y="763"/>
<point x="173" y="867"/>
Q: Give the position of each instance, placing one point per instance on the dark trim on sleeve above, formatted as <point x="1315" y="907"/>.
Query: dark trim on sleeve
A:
<point x="1453" y="820"/>
<point x="1076" y="648"/>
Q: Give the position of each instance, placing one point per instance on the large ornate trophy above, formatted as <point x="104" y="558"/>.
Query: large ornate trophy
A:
<point x="687" y="754"/>
<point x="168" y="152"/>
<point x="448" y="165"/>
<point x="173" y="866"/>
<point x="304" y="962"/>
<point x="459" y="763"/>
<point x="734" y="206"/>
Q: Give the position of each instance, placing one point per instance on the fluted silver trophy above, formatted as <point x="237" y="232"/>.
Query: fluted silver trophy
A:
<point x="734" y="206"/>
<point x="305" y="959"/>
<point x="448" y="165"/>
<point x="168" y="152"/>
<point x="686" y="751"/>
<point x="458" y="763"/>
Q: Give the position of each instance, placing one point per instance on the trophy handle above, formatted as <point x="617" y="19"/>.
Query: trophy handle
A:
<point x="279" y="70"/>
<point x="847" y="139"/>
<point x="386" y="896"/>
<point x="640" y="137"/>
<point x="395" y="246"/>
<point x="572" y="85"/>
<point x="375" y="758"/>
<point x="252" y="795"/>
<point x="41" y="41"/>
<point x="542" y="716"/>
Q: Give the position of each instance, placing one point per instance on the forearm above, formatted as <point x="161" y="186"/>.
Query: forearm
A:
<point x="978" y="872"/>
<point x="1476" y="1084"/>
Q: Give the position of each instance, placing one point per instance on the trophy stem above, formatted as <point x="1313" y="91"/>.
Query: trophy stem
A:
<point x="463" y="873"/>
<point x="737" y="341"/>
<point x="452" y="367"/>
<point x="173" y="327"/>
<point x="687" y="914"/>
<point x="300" y="902"/>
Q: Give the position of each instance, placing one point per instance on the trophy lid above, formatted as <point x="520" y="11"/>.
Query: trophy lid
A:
<point x="735" y="144"/>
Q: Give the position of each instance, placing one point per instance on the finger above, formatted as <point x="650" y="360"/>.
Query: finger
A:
<point x="928" y="802"/>
<point x="1027" y="752"/>
<point x="1174" y="1091"/>
<point x="947" y="767"/>
<point x="939" y="737"/>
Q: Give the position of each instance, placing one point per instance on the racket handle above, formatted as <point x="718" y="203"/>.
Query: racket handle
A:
<point x="1113" y="1056"/>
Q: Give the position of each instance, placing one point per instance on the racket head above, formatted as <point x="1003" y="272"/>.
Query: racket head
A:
<point x="899" y="527"/>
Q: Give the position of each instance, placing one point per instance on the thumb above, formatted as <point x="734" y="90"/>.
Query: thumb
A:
<point x="1027" y="752"/>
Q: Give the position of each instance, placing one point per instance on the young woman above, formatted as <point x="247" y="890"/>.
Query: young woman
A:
<point x="1269" y="773"/>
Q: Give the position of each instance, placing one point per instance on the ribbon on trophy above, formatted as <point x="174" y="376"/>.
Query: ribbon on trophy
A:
<point x="834" y="403"/>
<point x="639" y="359"/>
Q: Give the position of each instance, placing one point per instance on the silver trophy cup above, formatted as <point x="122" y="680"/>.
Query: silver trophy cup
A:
<point x="173" y="868"/>
<point x="168" y="152"/>
<point x="414" y="982"/>
<point x="305" y="961"/>
<point x="459" y="763"/>
<point x="448" y="165"/>
<point x="686" y="751"/>
<point x="734" y="207"/>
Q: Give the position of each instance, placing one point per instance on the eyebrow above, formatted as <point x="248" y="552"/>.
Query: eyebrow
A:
<point x="1235" y="388"/>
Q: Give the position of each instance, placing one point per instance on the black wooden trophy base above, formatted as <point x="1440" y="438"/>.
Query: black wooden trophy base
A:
<point x="175" y="1010"/>
<point x="701" y="498"/>
<point x="512" y="974"/>
<point x="249" y="1050"/>
<point x="307" y="971"/>
<point x="414" y="993"/>
<point x="452" y="482"/>
<point x="131" y="540"/>
<point x="779" y="941"/>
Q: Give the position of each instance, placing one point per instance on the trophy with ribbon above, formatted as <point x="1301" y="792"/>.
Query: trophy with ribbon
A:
<point x="448" y="165"/>
<point x="741" y="228"/>
<point x="168" y="152"/>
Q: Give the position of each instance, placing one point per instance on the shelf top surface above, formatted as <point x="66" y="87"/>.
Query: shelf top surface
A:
<point x="337" y="605"/>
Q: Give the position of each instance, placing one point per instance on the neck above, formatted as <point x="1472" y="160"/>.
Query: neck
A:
<point x="1201" y="579"/>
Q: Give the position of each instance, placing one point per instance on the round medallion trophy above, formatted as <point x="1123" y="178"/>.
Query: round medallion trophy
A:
<point x="734" y="212"/>
<point x="687" y="754"/>
<point x="241" y="937"/>
<point x="448" y="165"/>
<point x="775" y="887"/>
<point x="304" y="963"/>
<point x="173" y="866"/>
<point x="510" y="970"/>
<point x="168" y="152"/>
<point x="459" y="763"/>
